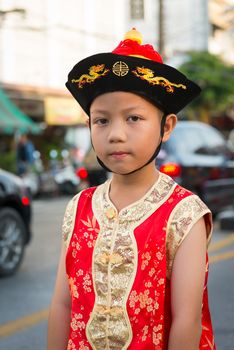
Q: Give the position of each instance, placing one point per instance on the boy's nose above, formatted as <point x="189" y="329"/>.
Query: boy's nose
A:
<point x="117" y="133"/>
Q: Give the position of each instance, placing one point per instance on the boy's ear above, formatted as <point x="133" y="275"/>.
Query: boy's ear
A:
<point x="87" y="122"/>
<point x="169" y="126"/>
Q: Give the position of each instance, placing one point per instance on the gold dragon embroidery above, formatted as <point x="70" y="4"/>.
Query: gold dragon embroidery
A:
<point x="147" y="74"/>
<point x="94" y="73"/>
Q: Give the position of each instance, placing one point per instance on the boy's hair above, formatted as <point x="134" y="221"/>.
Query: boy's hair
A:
<point x="131" y="67"/>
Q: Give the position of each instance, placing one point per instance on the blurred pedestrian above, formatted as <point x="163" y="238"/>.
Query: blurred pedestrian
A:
<point x="24" y="155"/>
<point x="133" y="268"/>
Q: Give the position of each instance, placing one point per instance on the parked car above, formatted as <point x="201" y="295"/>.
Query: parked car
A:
<point x="96" y="175"/>
<point x="198" y="158"/>
<point x="15" y="219"/>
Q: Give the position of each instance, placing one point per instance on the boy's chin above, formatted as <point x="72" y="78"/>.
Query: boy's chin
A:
<point x="123" y="170"/>
<point x="119" y="170"/>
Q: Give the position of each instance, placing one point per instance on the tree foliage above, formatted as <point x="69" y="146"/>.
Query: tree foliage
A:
<point x="216" y="78"/>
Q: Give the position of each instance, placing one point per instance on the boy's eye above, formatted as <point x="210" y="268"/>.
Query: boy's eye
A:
<point x="101" y="121"/>
<point x="133" y="118"/>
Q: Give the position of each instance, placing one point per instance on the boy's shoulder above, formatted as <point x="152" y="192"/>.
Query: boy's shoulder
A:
<point x="182" y="202"/>
<point x="84" y="195"/>
<point x="176" y="190"/>
<point x="186" y="209"/>
<point x="83" y="198"/>
<point x="188" y="201"/>
<point x="88" y="192"/>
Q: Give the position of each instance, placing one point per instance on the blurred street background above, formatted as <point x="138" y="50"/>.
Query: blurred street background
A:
<point x="44" y="139"/>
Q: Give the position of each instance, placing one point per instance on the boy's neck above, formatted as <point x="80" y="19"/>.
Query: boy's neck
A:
<point x="127" y="189"/>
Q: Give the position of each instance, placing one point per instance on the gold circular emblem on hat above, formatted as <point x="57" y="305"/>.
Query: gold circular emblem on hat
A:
<point x="120" y="68"/>
<point x="110" y="213"/>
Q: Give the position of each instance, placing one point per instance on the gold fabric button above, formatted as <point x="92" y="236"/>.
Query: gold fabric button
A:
<point x="104" y="258"/>
<point x="111" y="213"/>
<point x="115" y="258"/>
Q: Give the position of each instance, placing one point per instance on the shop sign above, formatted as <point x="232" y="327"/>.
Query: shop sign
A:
<point x="63" y="111"/>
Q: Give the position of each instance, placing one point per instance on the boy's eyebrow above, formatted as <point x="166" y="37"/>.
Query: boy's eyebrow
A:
<point x="128" y="109"/>
<point x="99" y="111"/>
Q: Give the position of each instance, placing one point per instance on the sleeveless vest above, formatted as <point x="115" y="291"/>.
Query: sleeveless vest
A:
<point x="119" y="266"/>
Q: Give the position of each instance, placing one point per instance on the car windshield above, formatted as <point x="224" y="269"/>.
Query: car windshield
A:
<point x="199" y="140"/>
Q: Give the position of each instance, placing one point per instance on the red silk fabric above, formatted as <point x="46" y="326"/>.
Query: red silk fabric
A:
<point x="132" y="48"/>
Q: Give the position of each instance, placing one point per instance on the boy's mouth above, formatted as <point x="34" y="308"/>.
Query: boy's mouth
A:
<point x="119" y="155"/>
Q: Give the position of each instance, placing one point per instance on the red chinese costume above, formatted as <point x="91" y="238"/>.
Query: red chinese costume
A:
<point x="119" y="264"/>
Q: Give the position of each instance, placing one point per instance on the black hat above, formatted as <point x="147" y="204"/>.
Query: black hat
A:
<point x="135" y="68"/>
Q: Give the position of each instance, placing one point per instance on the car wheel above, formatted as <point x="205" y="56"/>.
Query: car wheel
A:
<point x="12" y="241"/>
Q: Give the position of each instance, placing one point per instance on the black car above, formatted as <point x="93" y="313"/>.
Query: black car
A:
<point x="198" y="158"/>
<point x="15" y="218"/>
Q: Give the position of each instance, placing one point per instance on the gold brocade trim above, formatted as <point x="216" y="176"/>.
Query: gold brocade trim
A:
<point x="149" y="75"/>
<point x="115" y="261"/>
<point x="187" y="212"/>
<point x="94" y="73"/>
<point x="69" y="219"/>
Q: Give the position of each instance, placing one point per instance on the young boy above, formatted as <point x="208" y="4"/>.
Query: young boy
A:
<point x="133" y="267"/>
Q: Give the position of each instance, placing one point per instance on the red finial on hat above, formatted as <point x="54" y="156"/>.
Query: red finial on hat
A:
<point x="131" y="46"/>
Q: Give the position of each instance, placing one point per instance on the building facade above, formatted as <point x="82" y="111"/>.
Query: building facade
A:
<point x="42" y="40"/>
<point x="221" y="39"/>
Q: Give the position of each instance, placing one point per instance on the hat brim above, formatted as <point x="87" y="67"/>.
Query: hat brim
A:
<point x="108" y="72"/>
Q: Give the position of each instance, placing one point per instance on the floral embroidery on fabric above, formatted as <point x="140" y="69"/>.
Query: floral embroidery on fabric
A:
<point x="145" y="331"/>
<point x="142" y="300"/>
<point x="77" y="323"/>
<point x="145" y="260"/>
<point x="180" y="191"/>
<point x="207" y="342"/>
<point x="71" y="345"/>
<point x="87" y="234"/>
<point x="76" y="247"/>
<point x="69" y="219"/>
<point x="186" y="213"/>
<point x="79" y="273"/>
<point x="83" y="346"/>
<point x="73" y="287"/>
<point x="157" y="336"/>
<point x="92" y="228"/>
<point x="152" y="272"/>
<point x="91" y="224"/>
<point x="87" y="283"/>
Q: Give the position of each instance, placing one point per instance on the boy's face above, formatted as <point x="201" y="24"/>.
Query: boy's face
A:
<point x="125" y="130"/>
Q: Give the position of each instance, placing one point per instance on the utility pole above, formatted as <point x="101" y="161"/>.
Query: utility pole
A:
<point x="161" y="33"/>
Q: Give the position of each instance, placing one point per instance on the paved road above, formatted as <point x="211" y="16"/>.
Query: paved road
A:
<point x="26" y="296"/>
